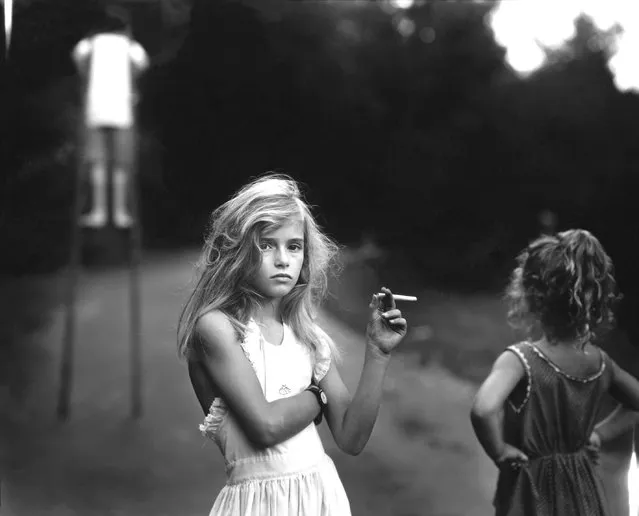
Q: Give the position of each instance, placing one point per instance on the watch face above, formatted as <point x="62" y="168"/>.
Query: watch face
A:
<point x="324" y="398"/>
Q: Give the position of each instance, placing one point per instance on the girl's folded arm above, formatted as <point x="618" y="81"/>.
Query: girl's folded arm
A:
<point x="264" y="424"/>
<point x="624" y="387"/>
<point x="489" y="402"/>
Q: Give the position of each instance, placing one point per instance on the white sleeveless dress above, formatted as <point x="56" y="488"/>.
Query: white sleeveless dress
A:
<point x="295" y="477"/>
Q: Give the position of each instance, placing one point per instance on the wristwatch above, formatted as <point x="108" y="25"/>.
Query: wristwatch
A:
<point x="321" y="399"/>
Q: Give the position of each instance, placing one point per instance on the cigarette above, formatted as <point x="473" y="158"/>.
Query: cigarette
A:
<point x="400" y="297"/>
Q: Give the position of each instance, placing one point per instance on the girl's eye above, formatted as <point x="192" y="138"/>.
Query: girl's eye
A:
<point x="264" y="246"/>
<point x="295" y="247"/>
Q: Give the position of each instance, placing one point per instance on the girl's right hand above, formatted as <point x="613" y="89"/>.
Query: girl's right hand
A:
<point x="386" y="327"/>
<point x="512" y="458"/>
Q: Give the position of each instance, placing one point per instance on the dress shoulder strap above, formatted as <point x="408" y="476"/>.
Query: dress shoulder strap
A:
<point x="522" y="352"/>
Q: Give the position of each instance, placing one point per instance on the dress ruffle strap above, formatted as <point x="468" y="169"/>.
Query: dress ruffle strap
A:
<point x="323" y="357"/>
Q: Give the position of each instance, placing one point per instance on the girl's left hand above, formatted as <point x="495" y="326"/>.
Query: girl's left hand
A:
<point x="386" y="326"/>
<point x="593" y="448"/>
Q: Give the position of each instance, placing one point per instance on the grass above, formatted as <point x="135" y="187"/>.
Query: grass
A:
<point x="421" y="455"/>
<point x="26" y="307"/>
<point x="102" y="463"/>
<point x="463" y="331"/>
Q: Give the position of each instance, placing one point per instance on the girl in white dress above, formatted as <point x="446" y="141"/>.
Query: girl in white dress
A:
<point x="262" y="369"/>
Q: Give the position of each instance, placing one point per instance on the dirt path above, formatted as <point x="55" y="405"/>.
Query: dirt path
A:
<point x="429" y="462"/>
<point x="421" y="459"/>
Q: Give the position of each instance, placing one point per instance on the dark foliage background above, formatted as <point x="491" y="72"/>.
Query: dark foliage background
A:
<point x="428" y="142"/>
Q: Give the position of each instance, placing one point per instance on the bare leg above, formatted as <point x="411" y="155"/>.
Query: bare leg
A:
<point x="97" y="217"/>
<point x="121" y="217"/>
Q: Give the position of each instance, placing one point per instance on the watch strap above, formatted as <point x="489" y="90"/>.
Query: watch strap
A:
<point x="321" y="400"/>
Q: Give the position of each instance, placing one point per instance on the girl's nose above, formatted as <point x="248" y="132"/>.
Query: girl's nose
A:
<point x="281" y="257"/>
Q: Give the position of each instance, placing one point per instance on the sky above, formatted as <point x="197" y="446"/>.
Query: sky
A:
<point x="525" y="27"/>
<point x="8" y="18"/>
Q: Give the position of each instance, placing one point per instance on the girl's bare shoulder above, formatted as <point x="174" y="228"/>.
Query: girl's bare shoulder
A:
<point x="215" y="331"/>
<point x="512" y="359"/>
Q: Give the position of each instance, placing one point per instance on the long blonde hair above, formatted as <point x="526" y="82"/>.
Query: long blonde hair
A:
<point x="231" y="256"/>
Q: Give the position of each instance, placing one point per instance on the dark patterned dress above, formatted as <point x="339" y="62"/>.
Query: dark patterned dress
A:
<point x="550" y="416"/>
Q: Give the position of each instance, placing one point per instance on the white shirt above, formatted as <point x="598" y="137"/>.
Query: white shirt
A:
<point x="111" y="57"/>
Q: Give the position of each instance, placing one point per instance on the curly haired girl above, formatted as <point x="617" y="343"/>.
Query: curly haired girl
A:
<point x="535" y="413"/>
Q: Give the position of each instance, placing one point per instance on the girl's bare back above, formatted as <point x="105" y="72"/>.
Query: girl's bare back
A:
<point x="580" y="363"/>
